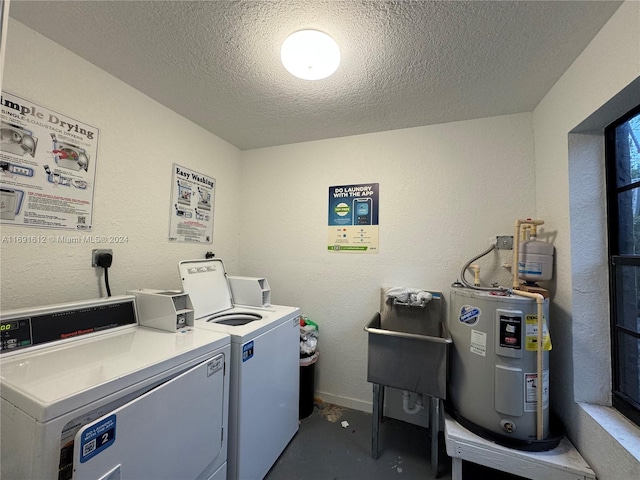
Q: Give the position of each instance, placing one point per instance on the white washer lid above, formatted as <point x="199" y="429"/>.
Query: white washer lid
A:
<point x="206" y="283"/>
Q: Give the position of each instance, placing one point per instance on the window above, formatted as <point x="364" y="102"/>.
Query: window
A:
<point x="622" y="155"/>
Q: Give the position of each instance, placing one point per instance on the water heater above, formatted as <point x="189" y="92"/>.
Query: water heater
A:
<point x="493" y="367"/>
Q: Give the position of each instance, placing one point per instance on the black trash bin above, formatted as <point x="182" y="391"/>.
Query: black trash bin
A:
<point x="307" y="385"/>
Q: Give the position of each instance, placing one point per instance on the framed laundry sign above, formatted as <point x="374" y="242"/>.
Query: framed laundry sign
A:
<point x="191" y="210"/>
<point x="47" y="169"/>
<point x="353" y="218"/>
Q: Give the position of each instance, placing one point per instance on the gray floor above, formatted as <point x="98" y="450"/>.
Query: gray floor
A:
<point x="325" y="450"/>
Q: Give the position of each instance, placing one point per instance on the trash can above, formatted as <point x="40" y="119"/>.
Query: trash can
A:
<point x="308" y="359"/>
<point x="307" y="385"/>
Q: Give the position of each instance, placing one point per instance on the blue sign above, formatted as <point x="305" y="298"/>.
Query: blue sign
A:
<point x="353" y="204"/>
<point x="247" y="351"/>
<point x="469" y="315"/>
<point x="97" y="438"/>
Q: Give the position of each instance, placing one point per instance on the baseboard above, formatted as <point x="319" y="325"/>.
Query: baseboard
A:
<point x="352" y="403"/>
<point x="392" y="409"/>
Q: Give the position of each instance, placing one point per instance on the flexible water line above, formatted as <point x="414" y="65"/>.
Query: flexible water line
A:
<point x="464" y="270"/>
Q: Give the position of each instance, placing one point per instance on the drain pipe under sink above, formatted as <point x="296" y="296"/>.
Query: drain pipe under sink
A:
<point x="405" y="403"/>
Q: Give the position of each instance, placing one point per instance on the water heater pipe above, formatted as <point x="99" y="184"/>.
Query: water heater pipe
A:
<point x="540" y="303"/>
<point x="476" y="275"/>
<point x="516" y="245"/>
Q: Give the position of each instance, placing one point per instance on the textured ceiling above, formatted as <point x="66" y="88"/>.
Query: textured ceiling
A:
<point x="404" y="63"/>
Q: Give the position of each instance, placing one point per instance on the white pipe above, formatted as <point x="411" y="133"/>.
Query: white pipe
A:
<point x="476" y="275"/>
<point x="405" y="403"/>
<point x="540" y="303"/>
<point x="514" y="264"/>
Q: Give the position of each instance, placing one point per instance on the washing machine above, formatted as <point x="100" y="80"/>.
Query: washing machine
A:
<point x="265" y="351"/>
<point x="88" y="393"/>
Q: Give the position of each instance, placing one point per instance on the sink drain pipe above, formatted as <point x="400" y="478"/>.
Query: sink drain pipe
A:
<point x="405" y="403"/>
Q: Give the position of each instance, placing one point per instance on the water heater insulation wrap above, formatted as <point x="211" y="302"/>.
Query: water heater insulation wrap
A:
<point x="493" y="367"/>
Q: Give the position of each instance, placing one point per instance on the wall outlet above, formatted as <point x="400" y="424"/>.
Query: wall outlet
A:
<point x="96" y="252"/>
<point x="504" y="243"/>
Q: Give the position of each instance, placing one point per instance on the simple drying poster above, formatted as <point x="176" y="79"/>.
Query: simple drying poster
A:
<point x="353" y="218"/>
<point x="191" y="210"/>
<point x="47" y="167"/>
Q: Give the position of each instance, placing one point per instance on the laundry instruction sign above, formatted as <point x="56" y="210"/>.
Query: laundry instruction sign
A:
<point x="47" y="169"/>
<point x="353" y="218"/>
<point x="191" y="210"/>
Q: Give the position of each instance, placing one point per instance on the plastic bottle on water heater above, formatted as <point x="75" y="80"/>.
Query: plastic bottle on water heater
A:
<point x="535" y="261"/>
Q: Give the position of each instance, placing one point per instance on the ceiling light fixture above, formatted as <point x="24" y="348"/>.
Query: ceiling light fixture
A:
<point x="310" y="54"/>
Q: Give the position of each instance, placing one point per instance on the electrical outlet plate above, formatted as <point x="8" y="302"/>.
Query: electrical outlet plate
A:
<point x="504" y="242"/>
<point x="96" y="252"/>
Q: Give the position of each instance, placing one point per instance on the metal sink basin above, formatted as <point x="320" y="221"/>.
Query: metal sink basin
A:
<point x="408" y="347"/>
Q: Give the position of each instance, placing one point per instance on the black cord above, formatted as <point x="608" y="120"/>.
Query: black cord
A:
<point x="106" y="281"/>
<point x="104" y="260"/>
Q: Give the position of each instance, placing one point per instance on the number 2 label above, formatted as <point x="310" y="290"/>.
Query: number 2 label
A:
<point x="97" y="437"/>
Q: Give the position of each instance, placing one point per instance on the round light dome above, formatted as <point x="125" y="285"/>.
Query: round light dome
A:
<point x="310" y="54"/>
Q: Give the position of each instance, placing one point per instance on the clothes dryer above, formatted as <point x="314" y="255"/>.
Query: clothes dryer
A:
<point x="263" y="406"/>
<point x="88" y="393"/>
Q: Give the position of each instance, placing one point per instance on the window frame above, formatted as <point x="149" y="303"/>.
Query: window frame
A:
<point x="620" y="400"/>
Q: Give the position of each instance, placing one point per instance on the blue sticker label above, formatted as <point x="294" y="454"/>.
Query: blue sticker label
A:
<point x="247" y="351"/>
<point x="469" y="315"/>
<point x="97" y="438"/>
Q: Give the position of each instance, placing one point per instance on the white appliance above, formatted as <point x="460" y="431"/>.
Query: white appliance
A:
<point x="88" y="393"/>
<point x="265" y="351"/>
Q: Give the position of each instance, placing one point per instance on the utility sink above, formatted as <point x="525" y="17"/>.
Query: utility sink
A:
<point x="408" y="347"/>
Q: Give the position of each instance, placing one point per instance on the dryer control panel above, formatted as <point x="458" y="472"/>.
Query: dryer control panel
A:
<point x="23" y="328"/>
<point x="15" y="334"/>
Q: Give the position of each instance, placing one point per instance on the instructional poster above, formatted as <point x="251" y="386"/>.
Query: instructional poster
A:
<point x="191" y="215"/>
<point x="47" y="167"/>
<point x="353" y="218"/>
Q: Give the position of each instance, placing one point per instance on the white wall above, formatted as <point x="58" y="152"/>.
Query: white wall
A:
<point x="139" y="141"/>
<point x="570" y="197"/>
<point x="446" y="191"/>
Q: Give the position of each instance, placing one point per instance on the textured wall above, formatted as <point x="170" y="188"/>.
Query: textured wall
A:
<point x="569" y="194"/>
<point x="139" y="141"/>
<point x="445" y="192"/>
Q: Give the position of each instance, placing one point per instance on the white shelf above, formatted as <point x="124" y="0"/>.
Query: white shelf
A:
<point x="562" y="463"/>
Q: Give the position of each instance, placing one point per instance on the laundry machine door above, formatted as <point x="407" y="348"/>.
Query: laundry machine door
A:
<point x="173" y="431"/>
